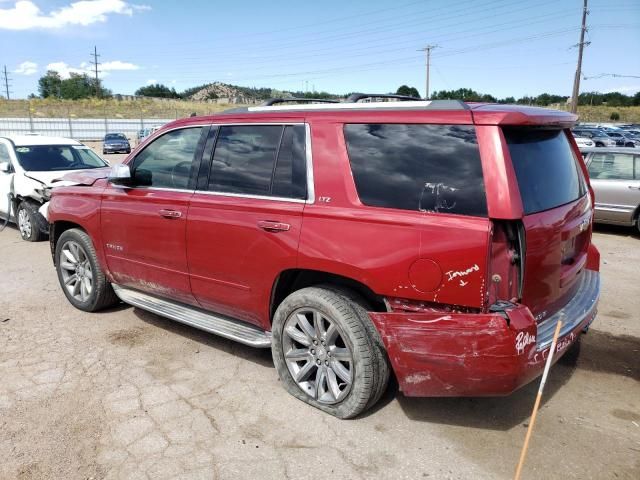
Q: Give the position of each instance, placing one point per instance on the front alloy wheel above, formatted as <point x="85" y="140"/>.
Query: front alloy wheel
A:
<point x="317" y="357"/>
<point x="81" y="277"/>
<point x="76" y="271"/>
<point x="24" y="223"/>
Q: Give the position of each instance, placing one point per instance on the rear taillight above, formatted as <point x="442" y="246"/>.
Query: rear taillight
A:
<point x="506" y="263"/>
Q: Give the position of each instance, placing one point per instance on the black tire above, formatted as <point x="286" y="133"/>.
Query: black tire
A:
<point x="370" y="365"/>
<point x="34" y="227"/>
<point x="599" y="144"/>
<point x="102" y="294"/>
<point x="128" y="152"/>
<point x="104" y="152"/>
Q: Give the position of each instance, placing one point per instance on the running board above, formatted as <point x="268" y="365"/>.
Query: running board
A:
<point x="209" y="322"/>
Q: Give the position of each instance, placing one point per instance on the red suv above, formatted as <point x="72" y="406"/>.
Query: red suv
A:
<point x="440" y="240"/>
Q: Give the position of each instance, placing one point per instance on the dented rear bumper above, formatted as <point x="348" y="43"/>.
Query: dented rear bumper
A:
<point x="465" y="354"/>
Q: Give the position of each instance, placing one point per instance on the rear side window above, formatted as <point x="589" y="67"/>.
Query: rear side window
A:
<point x="433" y="168"/>
<point x="611" y="166"/>
<point x="265" y="160"/>
<point x="547" y="172"/>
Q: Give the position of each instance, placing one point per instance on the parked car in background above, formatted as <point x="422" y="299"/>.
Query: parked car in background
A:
<point x="29" y="168"/>
<point x="143" y="133"/>
<point x="622" y="140"/>
<point x="599" y="137"/>
<point x="440" y="239"/>
<point x="115" y="143"/>
<point x="615" y="178"/>
<point x="584" y="142"/>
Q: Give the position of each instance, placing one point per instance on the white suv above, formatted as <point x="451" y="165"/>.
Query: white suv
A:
<point x="29" y="167"/>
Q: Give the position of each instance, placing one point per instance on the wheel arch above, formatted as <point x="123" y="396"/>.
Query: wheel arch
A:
<point x="288" y="281"/>
<point x="56" y="229"/>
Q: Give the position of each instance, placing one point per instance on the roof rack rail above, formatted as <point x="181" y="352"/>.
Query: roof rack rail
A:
<point x="448" y="105"/>
<point x="356" y="97"/>
<point x="273" y="101"/>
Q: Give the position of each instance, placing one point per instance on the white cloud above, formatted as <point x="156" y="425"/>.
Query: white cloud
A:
<point x="26" y="68"/>
<point x="65" y="70"/>
<point x="152" y="81"/>
<point x="85" y="67"/>
<point x="26" y="15"/>
<point x="118" y="65"/>
<point x="625" y="89"/>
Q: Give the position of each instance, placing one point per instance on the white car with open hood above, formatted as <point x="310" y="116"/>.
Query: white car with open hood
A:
<point x="30" y="166"/>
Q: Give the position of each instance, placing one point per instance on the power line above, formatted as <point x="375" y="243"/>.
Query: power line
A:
<point x="615" y="75"/>
<point x="96" y="63"/>
<point x="576" y="80"/>
<point x="6" y="82"/>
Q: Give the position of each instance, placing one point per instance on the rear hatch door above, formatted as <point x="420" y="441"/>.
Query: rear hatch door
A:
<point x="557" y="216"/>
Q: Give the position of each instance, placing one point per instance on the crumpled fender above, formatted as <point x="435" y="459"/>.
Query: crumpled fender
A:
<point x="82" y="177"/>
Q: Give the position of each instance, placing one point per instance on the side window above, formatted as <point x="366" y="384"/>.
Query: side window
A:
<point x="611" y="166"/>
<point x="433" y="168"/>
<point x="290" y="176"/>
<point x="266" y="160"/>
<point x="166" y="162"/>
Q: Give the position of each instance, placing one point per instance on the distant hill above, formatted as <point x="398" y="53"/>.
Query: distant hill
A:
<point x="224" y="90"/>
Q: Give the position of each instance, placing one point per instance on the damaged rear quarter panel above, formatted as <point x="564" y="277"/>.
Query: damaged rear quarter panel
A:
<point x="456" y="354"/>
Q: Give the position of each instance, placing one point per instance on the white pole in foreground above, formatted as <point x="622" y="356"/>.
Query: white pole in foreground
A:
<point x="552" y="350"/>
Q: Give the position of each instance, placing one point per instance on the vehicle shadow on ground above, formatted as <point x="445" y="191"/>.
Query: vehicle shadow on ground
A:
<point x="597" y="351"/>
<point x="616" y="230"/>
<point x="260" y="356"/>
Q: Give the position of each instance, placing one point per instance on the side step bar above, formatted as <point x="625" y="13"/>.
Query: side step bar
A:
<point x="209" y="322"/>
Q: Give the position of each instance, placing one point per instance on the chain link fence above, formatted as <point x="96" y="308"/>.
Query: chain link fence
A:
<point x="78" y="128"/>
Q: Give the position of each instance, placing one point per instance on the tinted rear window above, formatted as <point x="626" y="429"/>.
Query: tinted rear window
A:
<point x="545" y="167"/>
<point x="432" y="168"/>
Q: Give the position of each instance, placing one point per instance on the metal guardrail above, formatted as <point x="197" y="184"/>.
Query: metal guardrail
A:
<point x="78" y="128"/>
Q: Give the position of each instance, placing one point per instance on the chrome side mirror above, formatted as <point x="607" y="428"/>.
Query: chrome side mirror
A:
<point x="5" y="167"/>
<point x="120" y="175"/>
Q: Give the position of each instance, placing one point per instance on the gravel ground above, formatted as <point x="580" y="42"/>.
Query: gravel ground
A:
<point x="127" y="394"/>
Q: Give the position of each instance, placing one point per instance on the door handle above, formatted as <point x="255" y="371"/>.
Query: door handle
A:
<point x="170" y="213"/>
<point x="273" y="226"/>
<point x="633" y="187"/>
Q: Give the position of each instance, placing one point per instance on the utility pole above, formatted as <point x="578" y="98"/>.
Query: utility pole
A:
<point x="427" y="50"/>
<point x="6" y="81"/>
<point x="576" y="80"/>
<point x="95" y="63"/>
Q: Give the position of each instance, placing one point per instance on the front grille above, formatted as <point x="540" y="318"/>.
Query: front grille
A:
<point x="573" y="313"/>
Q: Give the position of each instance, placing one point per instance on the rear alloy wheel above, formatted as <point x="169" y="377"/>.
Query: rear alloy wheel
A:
<point x="317" y="356"/>
<point x="81" y="277"/>
<point x="327" y="352"/>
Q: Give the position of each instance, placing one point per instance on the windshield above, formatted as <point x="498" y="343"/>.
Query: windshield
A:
<point x="115" y="136"/>
<point x="547" y="172"/>
<point x="51" y="158"/>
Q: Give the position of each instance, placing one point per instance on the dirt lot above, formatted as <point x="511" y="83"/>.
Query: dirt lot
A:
<point x="127" y="394"/>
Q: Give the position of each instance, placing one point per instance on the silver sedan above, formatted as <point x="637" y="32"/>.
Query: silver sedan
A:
<point x="615" y="178"/>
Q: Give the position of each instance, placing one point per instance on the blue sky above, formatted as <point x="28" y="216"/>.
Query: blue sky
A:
<point x="502" y="47"/>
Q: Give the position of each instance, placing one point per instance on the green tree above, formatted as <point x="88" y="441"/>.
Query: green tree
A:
<point x="408" y="91"/>
<point x="49" y="84"/>
<point x="157" y="90"/>
<point x="77" y="86"/>
<point x="72" y="88"/>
